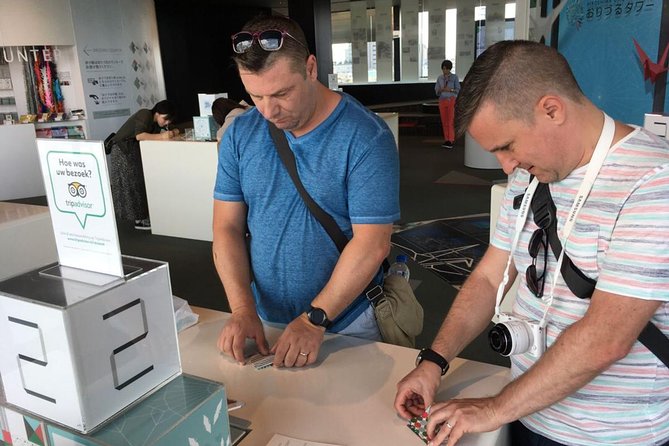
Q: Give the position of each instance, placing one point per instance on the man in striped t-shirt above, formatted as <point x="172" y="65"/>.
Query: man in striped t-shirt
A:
<point x="595" y="384"/>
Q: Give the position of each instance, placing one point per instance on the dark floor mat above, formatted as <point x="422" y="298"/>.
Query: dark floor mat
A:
<point x="449" y="247"/>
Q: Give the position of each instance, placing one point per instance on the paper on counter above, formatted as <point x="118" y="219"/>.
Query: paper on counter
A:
<point x="282" y="440"/>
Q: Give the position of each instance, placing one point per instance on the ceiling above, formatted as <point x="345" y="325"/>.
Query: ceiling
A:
<point x="336" y="5"/>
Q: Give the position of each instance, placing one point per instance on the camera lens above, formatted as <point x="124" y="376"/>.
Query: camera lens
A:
<point x="500" y="339"/>
<point x="510" y="338"/>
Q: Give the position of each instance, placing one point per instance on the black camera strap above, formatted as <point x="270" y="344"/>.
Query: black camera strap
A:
<point x="373" y="292"/>
<point x="545" y="216"/>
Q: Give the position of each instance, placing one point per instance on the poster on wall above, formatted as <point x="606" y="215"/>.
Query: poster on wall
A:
<point x="598" y="39"/>
<point x="80" y="204"/>
<point x="120" y="62"/>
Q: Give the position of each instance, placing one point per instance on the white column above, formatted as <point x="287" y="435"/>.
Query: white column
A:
<point x="494" y="22"/>
<point x="384" y="40"/>
<point x="465" y="45"/>
<point x="436" y="50"/>
<point x="409" y="19"/>
<point x="522" y="20"/>
<point x="359" y="40"/>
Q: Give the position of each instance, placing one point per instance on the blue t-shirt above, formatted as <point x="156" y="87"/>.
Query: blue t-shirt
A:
<point x="348" y="164"/>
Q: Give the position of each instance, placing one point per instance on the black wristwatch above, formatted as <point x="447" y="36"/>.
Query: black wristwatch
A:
<point x="427" y="354"/>
<point x="318" y="317"/>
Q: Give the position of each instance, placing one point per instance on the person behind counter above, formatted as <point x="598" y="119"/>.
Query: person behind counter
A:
<point x="347" y="161"/>
<point x="127" y="174"/>
<point x="225" y="111"/>
<point x="584" y="378"/>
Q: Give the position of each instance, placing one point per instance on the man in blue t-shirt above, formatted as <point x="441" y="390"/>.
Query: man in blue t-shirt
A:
<point x="292" y="272"/>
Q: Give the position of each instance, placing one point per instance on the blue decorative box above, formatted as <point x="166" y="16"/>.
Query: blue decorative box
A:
<point x="188" y="411"/>
<point x="204" y="127"/>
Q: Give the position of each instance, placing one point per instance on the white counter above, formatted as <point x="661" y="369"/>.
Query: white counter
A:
<point x="180" y="177"/>
<point x="478" y="158"/>
<point x="20" y="174"/>
<point x="392" y="119"/>
<point x="346" y="398"/>
<point x="26" y="238"/>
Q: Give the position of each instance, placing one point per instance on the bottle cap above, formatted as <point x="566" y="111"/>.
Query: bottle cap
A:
<point x="401" y="258"/>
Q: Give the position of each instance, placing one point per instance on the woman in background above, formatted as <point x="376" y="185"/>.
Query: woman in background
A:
<point x="127" y="174"/>
<point x="224" y="111"/>
<point x="447" y="88"/>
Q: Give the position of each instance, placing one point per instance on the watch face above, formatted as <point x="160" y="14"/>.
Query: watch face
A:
<point x="318" y="317"/>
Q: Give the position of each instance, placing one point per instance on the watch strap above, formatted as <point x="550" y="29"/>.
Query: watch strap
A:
<point x="427" y="354"/>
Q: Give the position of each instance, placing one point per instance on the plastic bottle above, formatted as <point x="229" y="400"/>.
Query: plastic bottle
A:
<point x="400" y="267"/>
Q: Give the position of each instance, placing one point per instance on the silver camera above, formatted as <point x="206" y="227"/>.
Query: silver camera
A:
<point x="514" y="335"/>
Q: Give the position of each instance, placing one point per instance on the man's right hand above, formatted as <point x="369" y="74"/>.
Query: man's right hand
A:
<point x="416" y="391"/>
<point x="242" y="324"/>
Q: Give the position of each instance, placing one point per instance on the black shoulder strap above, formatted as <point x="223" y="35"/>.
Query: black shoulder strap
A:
<point x="372" y="291"/>
<point x="545" y="215"/>
<point x="288" y="160"/>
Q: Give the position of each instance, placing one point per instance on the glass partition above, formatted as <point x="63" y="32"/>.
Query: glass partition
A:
<point x="382" y="41"/>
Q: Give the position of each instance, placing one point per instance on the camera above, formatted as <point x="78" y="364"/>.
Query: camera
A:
<point x="514" y="335"/>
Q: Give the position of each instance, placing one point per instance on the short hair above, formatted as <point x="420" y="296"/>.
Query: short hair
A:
<point x="513" y="75"/>
<point x="447" y="64"/>
<point x="165" y="107"/>
<point x="256" y="59"/>
<point x="221" y="107"/>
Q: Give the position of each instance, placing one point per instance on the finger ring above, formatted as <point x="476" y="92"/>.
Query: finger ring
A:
<point x="304" y="354"/>
<point x="448" y="425"/>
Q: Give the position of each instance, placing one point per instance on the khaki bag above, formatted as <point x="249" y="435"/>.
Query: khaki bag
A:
<point x="398" y="312"/>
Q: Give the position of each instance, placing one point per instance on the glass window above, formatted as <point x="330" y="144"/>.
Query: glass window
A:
<point x="451" y="35"/>
<point x="371" y="61"/>
<point x="423" y="42"/>
<point x="342" y="60"/>
<point x="479" y="23"/>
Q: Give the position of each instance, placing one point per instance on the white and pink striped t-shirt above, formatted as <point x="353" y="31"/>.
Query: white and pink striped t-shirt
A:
<point x="621" y="239"/>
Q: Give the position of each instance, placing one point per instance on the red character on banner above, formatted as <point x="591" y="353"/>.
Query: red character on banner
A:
<point x="651" y="70"/>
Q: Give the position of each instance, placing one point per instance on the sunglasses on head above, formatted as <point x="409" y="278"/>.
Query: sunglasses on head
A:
<point x="269" y="40"/>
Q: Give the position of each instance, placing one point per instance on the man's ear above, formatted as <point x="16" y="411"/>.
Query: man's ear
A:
<point x="312" y="67"/>
<point x="551" y="107"/>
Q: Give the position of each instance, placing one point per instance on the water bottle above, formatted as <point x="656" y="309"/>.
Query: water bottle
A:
<point x="400" y="267"/>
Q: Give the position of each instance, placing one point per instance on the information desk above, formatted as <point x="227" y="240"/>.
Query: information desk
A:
<point x="345" y="399"/>
<point x="180" y="177"/>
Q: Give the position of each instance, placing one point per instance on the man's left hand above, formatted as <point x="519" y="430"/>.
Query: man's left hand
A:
<point x="457" y="417"/>
<point x="299" y="344"/>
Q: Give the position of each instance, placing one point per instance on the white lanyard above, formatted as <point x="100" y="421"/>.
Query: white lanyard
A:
<point x="595" y="164"/>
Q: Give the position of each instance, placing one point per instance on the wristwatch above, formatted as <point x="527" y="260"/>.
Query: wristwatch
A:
<point x="318" y="317"/>
<point x="427" y="354"/>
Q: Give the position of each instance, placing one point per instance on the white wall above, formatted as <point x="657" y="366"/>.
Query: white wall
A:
<point x="117" y="81"/>
<point x="35" y="22"/>
<point x="94" y="38"/>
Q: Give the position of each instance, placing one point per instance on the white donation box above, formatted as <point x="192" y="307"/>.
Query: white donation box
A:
<point x="78" y="352"/>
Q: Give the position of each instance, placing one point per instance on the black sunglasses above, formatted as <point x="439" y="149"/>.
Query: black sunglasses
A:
<point x="536" y="282"/>
<point x="269" y="40"/>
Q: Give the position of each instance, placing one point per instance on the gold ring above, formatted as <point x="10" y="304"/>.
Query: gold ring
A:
<point x="304" y="354"/>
